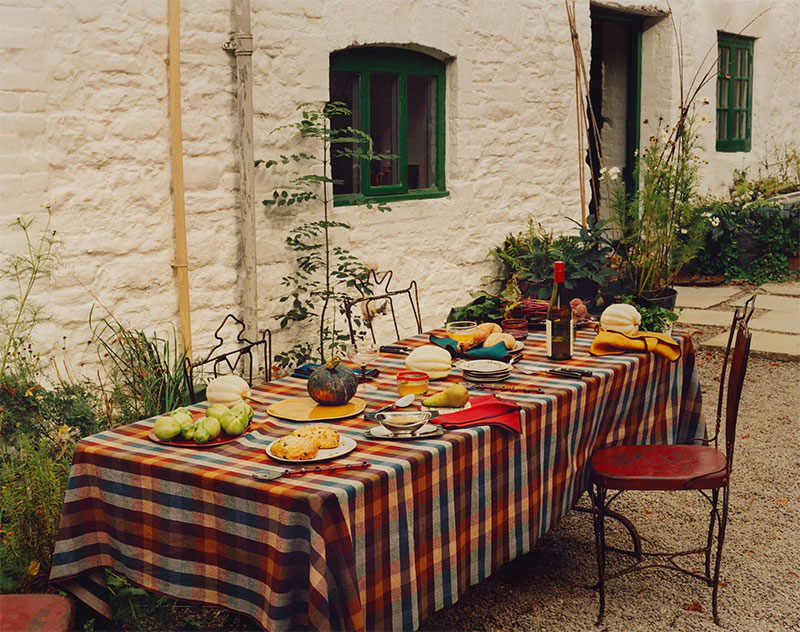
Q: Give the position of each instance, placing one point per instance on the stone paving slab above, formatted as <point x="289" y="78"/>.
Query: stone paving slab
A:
<point x="769" y="345"/>
<point x="785" y="322"/>
<point x="705" y="317"/>
<point x="704" y="297"/>
<point x="788" y="289"/>
<point x="788" y="304"/>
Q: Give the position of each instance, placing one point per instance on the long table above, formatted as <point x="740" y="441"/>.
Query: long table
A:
<point x="379" y="548"/>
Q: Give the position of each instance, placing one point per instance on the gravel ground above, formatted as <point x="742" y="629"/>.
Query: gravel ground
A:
<point x="760" y="577"/>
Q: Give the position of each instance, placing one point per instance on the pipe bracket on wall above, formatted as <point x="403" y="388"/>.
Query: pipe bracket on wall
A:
<point x="239" y="44"/>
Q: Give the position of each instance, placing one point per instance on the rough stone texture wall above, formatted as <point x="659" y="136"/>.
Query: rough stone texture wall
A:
<point x="511" y="132"/>
<point x="776" y="71"/>
<point x="84" y="126"/>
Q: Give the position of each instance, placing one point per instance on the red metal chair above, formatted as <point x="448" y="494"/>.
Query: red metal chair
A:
<point x="675" y="467"/>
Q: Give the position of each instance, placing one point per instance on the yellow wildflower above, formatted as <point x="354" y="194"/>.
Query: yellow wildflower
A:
<point x="33" y="567"/>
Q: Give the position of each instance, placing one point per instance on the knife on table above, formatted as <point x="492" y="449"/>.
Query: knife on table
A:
<point x="395" y="349"/>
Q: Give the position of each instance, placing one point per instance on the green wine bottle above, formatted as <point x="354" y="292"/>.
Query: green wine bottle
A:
<point x="559" y="318"/>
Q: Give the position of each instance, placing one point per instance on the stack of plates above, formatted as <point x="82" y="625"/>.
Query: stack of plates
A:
<point x="485" y="370"/>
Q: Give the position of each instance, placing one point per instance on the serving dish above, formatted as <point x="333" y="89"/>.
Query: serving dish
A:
<point x="346" y="446"/>
<point x="428" y="431"/>
<point x="180" y="442"/>
<point x="306" y="409"/>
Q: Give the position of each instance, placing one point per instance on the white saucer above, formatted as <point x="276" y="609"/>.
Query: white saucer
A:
<point x="426" y="432"/>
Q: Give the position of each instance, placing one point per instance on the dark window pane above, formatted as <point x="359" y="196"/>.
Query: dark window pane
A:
<point x="345" y="87"/>
<point x="722" y="124"/>
<point x="421" y="132"/>
<point x="383" y="126"/>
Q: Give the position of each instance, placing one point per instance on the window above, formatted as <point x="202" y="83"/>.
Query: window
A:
<point x="734" y="92"/>
<point x="397" y="97"/>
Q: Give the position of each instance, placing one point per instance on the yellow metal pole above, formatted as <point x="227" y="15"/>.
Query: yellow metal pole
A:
<point x="180" y="264"/>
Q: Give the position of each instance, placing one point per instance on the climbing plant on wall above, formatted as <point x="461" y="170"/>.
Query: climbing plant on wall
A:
<point x="324" y="272"/>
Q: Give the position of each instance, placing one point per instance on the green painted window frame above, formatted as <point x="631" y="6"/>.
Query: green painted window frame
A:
<point x="727" y="46"/>
<point x="402" y="62"/>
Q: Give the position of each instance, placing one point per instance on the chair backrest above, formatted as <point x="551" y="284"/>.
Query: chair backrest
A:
<point x="370" y="304"/>
<point x="731" y="392"/>
<point x="240" y="358"/>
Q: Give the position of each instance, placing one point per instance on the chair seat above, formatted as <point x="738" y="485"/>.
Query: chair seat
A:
<point x="659" y="467"/>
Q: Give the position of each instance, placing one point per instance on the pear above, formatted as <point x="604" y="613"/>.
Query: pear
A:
<point x="453" y="397"/>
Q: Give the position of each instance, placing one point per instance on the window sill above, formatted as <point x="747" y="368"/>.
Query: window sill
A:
<point x="738" y="145"/>
<point x="422" y="194"/>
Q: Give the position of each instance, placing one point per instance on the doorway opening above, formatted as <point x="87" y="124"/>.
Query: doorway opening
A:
<point x="615" y="93"/>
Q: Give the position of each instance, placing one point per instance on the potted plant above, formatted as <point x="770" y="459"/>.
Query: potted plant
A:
<point x="528" y="257"/>
<point x="660" y="227"/>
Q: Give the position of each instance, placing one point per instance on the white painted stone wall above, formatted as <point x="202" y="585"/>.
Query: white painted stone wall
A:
<point x="84" y="126"/>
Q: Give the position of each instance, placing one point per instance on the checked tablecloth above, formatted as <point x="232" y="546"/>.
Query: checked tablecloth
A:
<point x="380" y="548"/>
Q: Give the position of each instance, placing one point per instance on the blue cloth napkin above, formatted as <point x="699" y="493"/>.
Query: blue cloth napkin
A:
<point x="306" y="370"/>
<point x="495" y="352"/>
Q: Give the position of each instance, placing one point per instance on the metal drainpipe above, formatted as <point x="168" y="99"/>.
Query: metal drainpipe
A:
<point x="241" y="45"/>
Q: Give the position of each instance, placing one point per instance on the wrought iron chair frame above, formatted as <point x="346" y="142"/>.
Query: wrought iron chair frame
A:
<point x="600" y="505"/>
<point x="367" y="297"/>
<point x="227" y="359"/>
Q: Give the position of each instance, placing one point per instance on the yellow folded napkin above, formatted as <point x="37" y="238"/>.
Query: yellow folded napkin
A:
<point x="610" y="342"/>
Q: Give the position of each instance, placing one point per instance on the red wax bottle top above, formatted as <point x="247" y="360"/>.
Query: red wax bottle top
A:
<point x="558" y="271"/>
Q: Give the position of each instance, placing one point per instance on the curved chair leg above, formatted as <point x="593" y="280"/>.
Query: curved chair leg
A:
<point x="723" y="521"/>
<point x="599" y="502"/>
<point x="636" y="539"/>
<point x="714" y="503"/>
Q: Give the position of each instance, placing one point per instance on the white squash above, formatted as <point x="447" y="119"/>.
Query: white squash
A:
<point x="227" y="389"/>
<point x="506" y="339"/>
<point x="430" y="359"/>
<point x="622" y="318"/>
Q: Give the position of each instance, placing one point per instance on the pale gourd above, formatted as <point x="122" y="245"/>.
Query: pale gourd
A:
<point x="506" y="339"/>
<point x="430" y="359"/>
<point x="227" y="389"/>
<point x="622" y="318"/>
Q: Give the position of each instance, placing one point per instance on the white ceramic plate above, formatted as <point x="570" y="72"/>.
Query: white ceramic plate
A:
<point x="517" y="348"/>
<point x="426" y="432"/>
<point x="443" y="410"/>
<point x="346" y="446"/>
<point x="483" y="366"/>
<point x="486" y="379"/>
<point x="503" y="372"/>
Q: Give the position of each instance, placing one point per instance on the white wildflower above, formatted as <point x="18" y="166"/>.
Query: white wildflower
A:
<point x="684" y="231"/>
<point x="714" y="221"/>
<point x="610" y="175"/>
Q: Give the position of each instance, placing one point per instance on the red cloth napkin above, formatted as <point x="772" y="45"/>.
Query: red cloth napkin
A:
<point x="486" y="410"/>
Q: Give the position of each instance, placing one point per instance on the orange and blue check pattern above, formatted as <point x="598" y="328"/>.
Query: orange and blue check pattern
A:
<point x="378" y="548"/>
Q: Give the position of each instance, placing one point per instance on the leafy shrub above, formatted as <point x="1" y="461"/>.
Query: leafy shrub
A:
<point x="528" y="259"/>
<point x="484" y="308"/>
<point x="749" y="241"/>
<point x="32" y="487"/>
